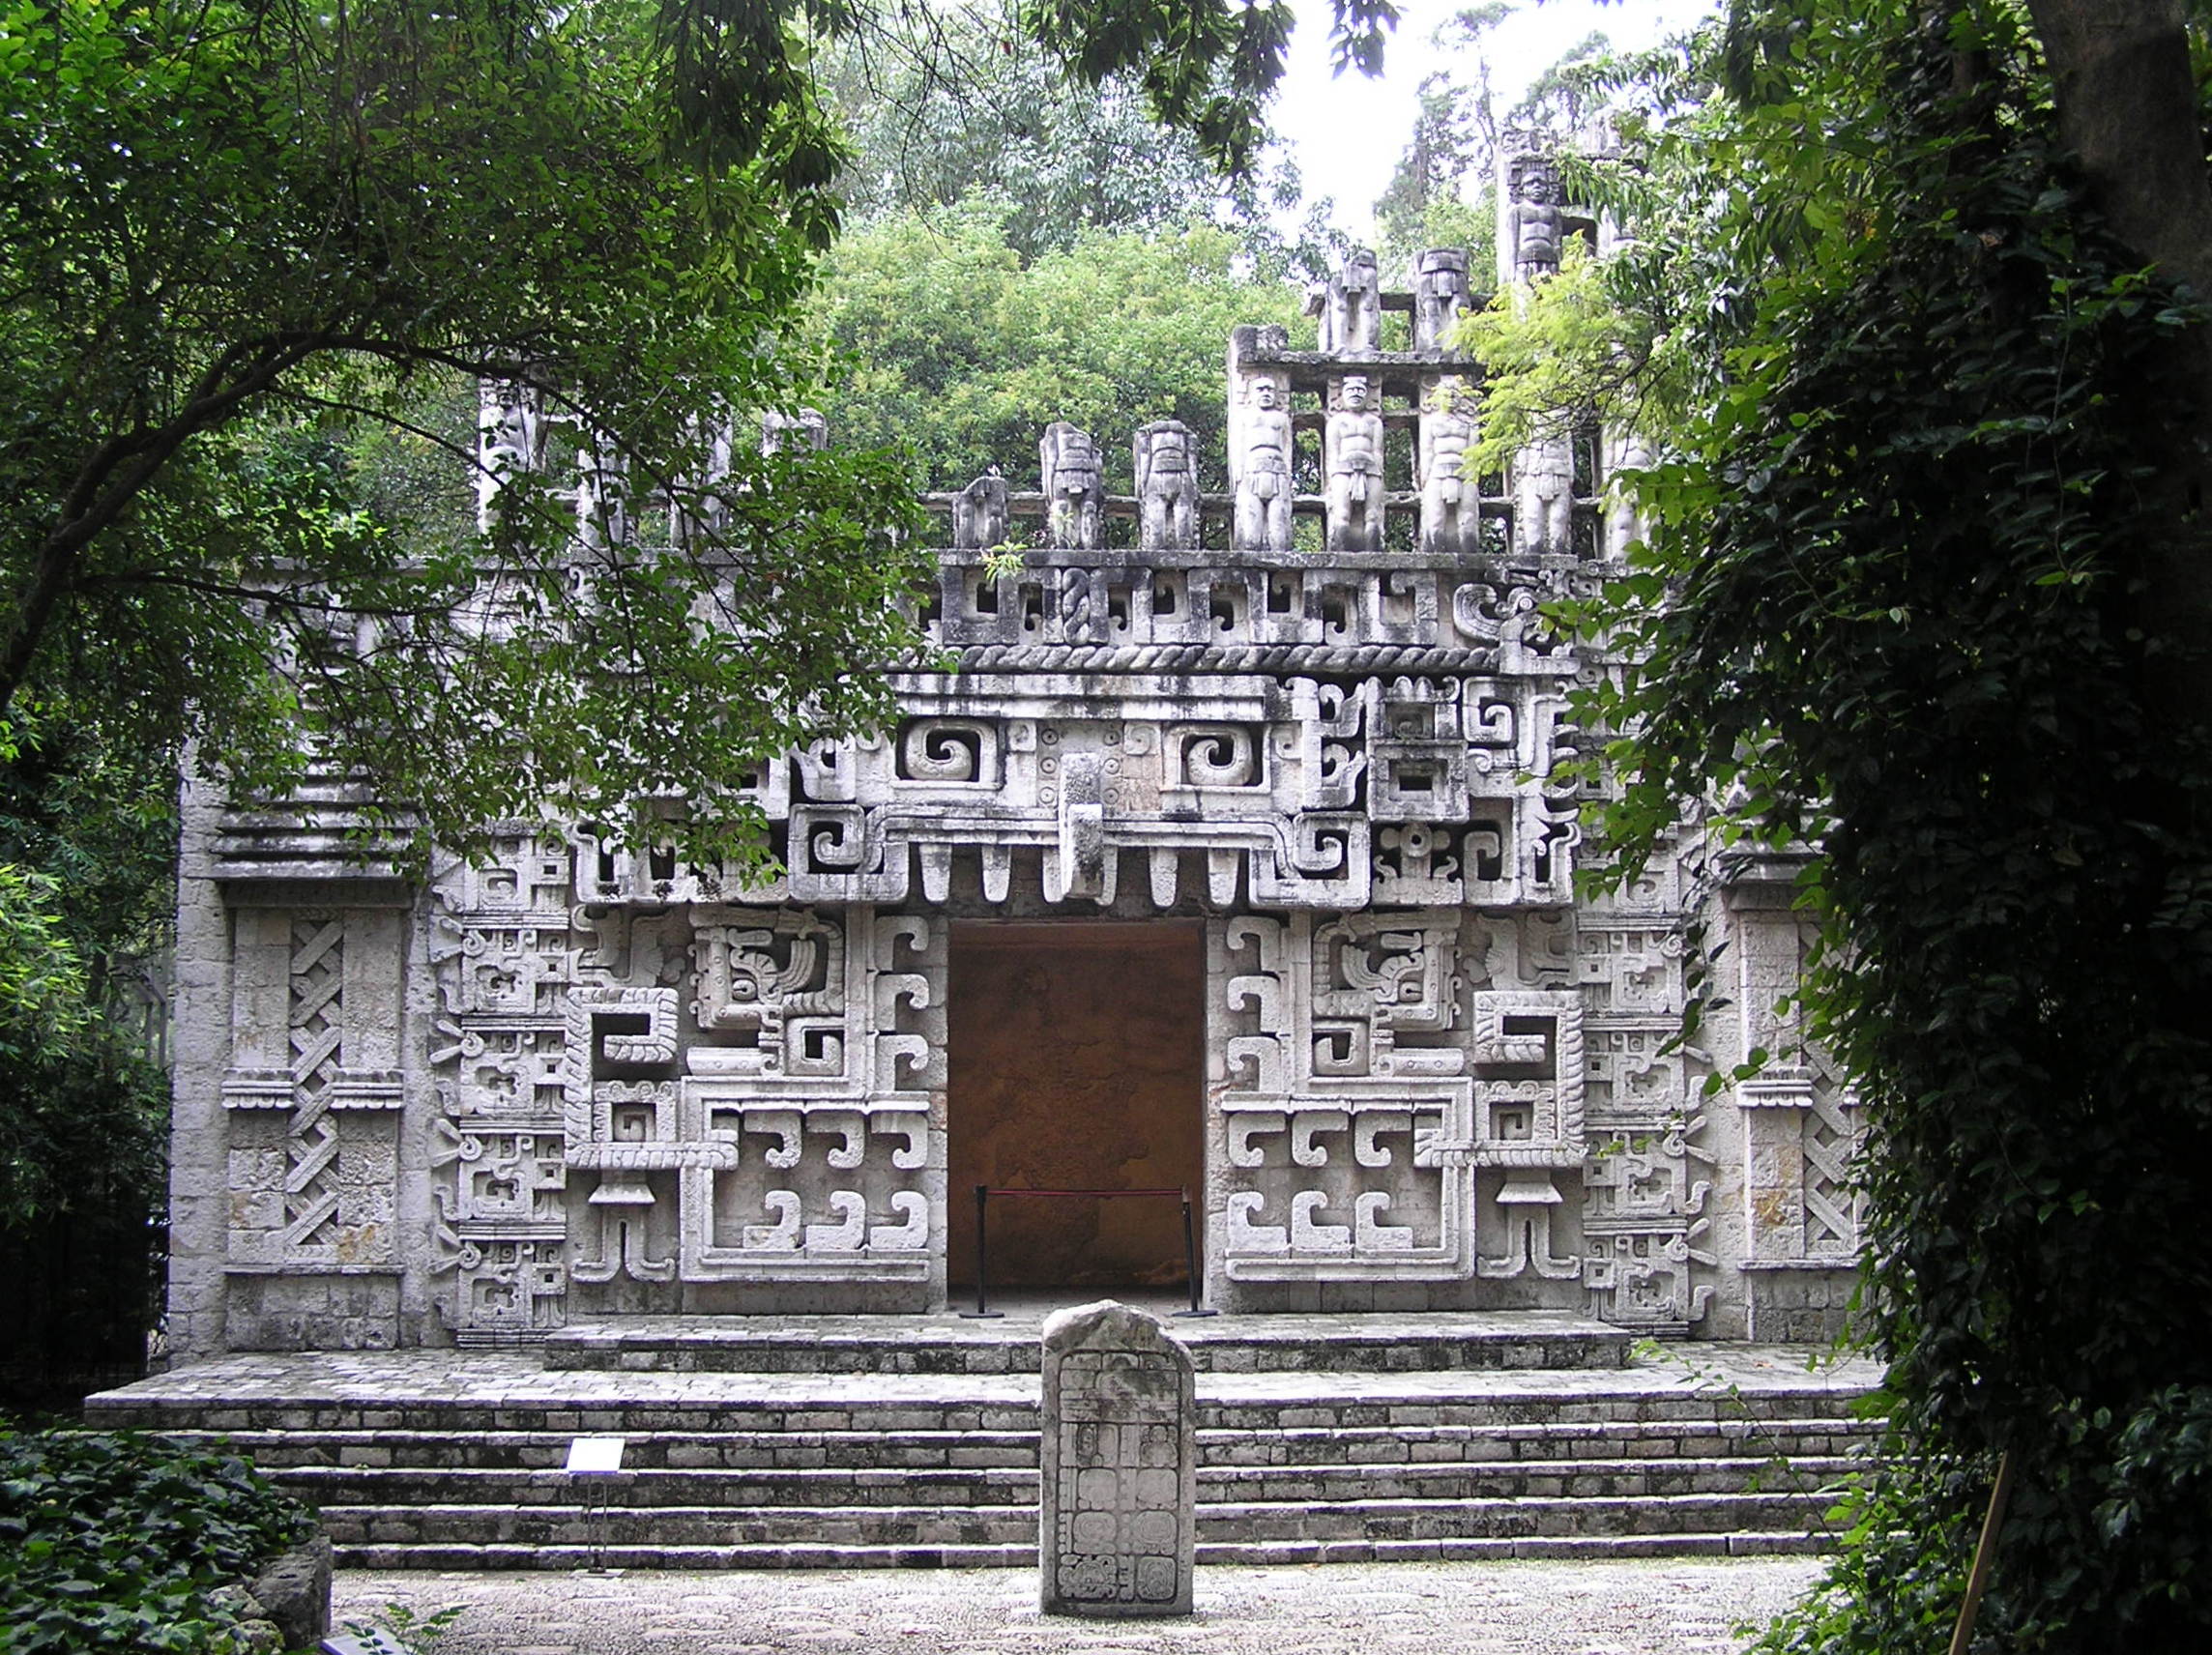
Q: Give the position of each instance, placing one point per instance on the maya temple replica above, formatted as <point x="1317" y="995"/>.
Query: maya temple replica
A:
<point x="1222" y="851"/>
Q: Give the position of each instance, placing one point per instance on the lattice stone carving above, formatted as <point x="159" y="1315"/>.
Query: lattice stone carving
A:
<point x="312" y="1091"/>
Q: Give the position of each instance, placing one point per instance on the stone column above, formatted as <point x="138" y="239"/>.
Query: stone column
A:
<point x="1119" y="1490"/>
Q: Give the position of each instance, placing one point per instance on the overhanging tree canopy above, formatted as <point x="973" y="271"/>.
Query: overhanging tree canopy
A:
<point x="232" y="230"/>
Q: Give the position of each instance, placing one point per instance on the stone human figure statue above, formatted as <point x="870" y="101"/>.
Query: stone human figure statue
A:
<point x="1440" y="291"/>
<point x="602" y="501"/>
<point x="805" y="430"/>
<point x="1353" y="450"/>
<point x="1624" y="450"/>
<point x="1449" y="509"/>
<point x="1074" y="488"/>
<point x="1260" y="460"/>
<point x="1544" y="497"/>
<point x="1352" y="305"/>
<point x="1535" y="225"/>
<point x="507" y="436"/>
<point x="980" y="512"/>
<point x="1166" y="486"/>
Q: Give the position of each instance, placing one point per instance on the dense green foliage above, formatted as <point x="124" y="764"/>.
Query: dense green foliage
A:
<point x="86" y="839"/>
<point x="949" y="105"/>
<point x="1917" y="408"/>
<point x="965" y="353"/>
<point x="234" y="235"/>
<point x="1444" y="191"/>
<point x="114" y="1544"/>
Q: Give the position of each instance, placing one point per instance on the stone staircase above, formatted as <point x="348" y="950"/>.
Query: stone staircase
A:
<point x="912" y="1442"/>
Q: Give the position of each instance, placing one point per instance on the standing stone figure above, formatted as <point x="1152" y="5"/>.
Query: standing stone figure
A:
<point x="1624" y="450"/>
<point x="1544" y="497"/>
<point x="1535" y="226"/>
<point x="1352" y="305"/>
<point x="1439" y="293"/>
<point x="1117" y="1496"/>
<point x="508" y="437"/>
<point x="1074" y="491"/>
<point x="602" y="500"/>
<point x="1166" y="486"/>
<point x="1449" y="511"/>
<point x="980" y="512"/>
<point x="1353" y="445"/>
<point x="808" y="428"/>
<point x="1259" y="459"/>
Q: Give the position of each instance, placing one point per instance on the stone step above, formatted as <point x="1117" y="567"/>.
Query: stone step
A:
<point x="1603" y="1440"/>
<point x="391" y="1557"/>
<point x="1226" y="1404"/>
<point x="645" y="1450"/>
<point x="385" y="1557"/>
<point x="1533" y="1545"/>
<point x="1247" y="1523"/>
<point x="970" y="1450"/>
<point x="568" y="1523"/>
<point x="1590" y="1479"/>
<point x="1511" y="1517"/>
<point x="331" y="1487"/>
<point x="946" y="1345"/>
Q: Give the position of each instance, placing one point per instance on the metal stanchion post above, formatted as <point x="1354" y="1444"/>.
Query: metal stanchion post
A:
<point x="1190" y="1261"/>
<point x="982" y="1311"/>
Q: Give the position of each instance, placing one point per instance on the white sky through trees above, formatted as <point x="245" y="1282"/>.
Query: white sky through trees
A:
<point x="1346" y="133"/>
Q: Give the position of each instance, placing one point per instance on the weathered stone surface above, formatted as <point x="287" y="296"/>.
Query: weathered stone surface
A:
<point x="1118" y="1484"/>
<point x="295" y="1593"/>
<point x="585" y="1082"/>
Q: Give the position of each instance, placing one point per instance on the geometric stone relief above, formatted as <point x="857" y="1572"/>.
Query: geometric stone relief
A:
<point x="502" y="956"/>
<point x="1801" y="1136"/>
<point x="774" y="1124"/>
<point x="312" y="1091"/>
<point x="1647" y="1262"/>
<point x="1284" y="794"/>
<point x="1359" y="1086"/>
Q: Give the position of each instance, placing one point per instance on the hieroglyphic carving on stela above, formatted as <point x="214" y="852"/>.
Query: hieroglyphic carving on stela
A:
<point x="1119" y="1483"/>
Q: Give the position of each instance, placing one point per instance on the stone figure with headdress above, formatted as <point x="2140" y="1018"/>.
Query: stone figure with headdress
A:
<point x="1074" y="487"/>
<point x="1352" y="452"/>
<point x="1167" y="485"/>
<point x="980" y="512"/>
<point x="1450" y="514"/>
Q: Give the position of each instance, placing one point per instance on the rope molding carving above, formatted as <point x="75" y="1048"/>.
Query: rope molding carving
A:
<point x="1301" y="658"/>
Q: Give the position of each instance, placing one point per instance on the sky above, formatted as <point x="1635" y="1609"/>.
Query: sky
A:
<point x="1347" y="133"/>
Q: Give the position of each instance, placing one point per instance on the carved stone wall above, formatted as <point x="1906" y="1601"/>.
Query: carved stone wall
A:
<point x="590" y="1078"/>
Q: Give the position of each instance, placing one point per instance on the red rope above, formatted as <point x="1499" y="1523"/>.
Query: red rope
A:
<point x="1179" y="1194"/>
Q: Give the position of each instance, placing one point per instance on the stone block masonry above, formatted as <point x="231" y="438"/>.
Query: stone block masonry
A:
<point x="583" y="1084"/>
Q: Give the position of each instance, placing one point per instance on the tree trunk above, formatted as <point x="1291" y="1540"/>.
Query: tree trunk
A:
<point x="2128" y="108"/>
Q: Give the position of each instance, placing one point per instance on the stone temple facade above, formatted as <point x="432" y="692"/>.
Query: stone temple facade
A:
<point x="1224" y="848"/>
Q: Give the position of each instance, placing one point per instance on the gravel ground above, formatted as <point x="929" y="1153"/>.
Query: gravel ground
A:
<point x="1655" y="1608"/>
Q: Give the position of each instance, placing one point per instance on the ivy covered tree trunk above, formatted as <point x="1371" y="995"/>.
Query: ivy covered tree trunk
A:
<point x="2128" y="108"/>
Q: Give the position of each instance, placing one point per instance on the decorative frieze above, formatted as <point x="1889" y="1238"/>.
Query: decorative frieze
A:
<point x="589" y="1077"/>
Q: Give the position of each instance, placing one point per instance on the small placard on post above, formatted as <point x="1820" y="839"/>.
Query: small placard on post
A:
<point x="596" y="1456"/>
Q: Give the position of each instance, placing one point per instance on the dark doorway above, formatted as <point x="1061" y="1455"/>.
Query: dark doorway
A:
<point x="1078" y="1061"/>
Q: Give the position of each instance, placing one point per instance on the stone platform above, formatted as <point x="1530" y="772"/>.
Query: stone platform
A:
<point x="1387" y="1440"/>
<point x="1009" y="1342"/>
